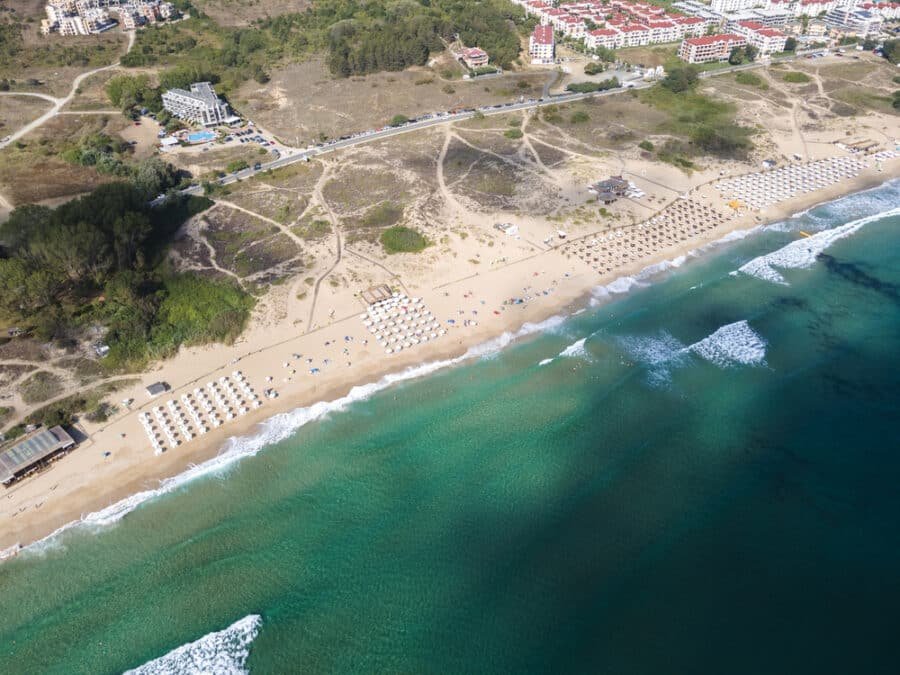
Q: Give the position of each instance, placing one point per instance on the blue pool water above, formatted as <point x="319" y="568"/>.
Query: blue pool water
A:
<point x="200" y="136"/>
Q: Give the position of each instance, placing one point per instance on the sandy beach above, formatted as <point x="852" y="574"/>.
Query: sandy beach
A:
<point x="116" y="460"/>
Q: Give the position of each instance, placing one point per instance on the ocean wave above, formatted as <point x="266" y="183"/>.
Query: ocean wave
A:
<point x="544" y="362"/>
<point x="658" y="353"/>
<point x="576" y="349"/>
<point x="859" y="204"/>
<point x="732" y="344"/>
<point x="802" y="253"/>
<point x="735" y="343"/>
<point x="278" y="428"/>
<point x="224" y="652"/>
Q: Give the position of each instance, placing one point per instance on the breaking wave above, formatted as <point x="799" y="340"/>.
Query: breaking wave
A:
<point x="658" y="353"/>
<point x="280" y="427"/>
<point x="731" y="345"/>
<point x="734" y="344"/>
<point x="224" y="653"/>
<point x="802" y="253"/>
<point x="576" y="349"/>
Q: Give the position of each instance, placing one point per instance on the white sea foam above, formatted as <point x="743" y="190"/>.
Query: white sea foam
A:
<point x="544" y="362"/>
<point x="576" y="349"/>
<point x="224" y="653"/>
<point x="659" y="353"/>
<point x="802" y="253"/>
<point x="733" y="344"/>
<point x="278" y="428"/>
<point x="736" y="343"/>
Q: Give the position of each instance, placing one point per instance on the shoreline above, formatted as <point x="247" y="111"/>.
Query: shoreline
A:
<point x="98" y="493"/>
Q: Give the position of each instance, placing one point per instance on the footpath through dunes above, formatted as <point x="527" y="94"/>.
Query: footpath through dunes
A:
<point x="528" y="518"/>
<point x="57" y="103"/>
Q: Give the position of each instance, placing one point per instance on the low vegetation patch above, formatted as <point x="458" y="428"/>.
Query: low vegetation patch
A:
<point x="588" y="87"/>
<point x="706" y="123"/>
<point x="513" y="133"/>
<point x="795" y="77"/>
<point x="399" y="239"/>
<point x="579" y="117"/>
<point x="314" y="229"/>
<point x="382" y="215"/>
<point x="40" y="387"/>
<point x="750" y="80"/>
<point x="65" y="411"/>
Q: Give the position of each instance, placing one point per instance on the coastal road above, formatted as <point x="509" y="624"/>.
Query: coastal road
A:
<point x="371" y="136"/>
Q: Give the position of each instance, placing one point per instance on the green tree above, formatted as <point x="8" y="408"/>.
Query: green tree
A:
<point x="790" y="44"/>
<point x="680" y="78"/>
<point x="891" y="51"/>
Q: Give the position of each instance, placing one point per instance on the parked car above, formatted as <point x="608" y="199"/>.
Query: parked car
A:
<point x="257" y="166"/>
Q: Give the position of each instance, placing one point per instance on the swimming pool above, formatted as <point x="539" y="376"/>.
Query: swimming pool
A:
<point x="201" y="136"/>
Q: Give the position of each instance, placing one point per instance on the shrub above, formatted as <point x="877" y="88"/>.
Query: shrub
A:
<point x="593" y="68"/>
<point x="749" y="79"/>
<point x="589" y="87"/>
<point x="579" y="117"/>
<point x="680" y="78"/>
<point x="236" y="165"/>
<point x="398" y="121"/>
<point x="399" y="239"/>
<point x="513" y="133"/>
<point x="795" y="77"/>
<point x="382" y="215"/>
<point x="40" y="387"/>
<point x="646" y="145"/>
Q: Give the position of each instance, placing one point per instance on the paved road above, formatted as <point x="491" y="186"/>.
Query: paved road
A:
<point x="58" y="103"/>
<point x="369" y="137"/>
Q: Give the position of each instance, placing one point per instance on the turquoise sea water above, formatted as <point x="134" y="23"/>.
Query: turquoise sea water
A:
<point x="700" y="476"/>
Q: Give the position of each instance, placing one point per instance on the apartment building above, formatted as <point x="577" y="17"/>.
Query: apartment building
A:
<point x="766" y="40"/>
<point x="542" y="45"/>
<point x="854" y="21"/>
<point x="710" y="48"/>
<point x="725" y="6"/>
<point x="200" y="105"/>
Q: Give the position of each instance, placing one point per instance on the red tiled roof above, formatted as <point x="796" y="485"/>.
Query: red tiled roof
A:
<point x="632" y="28"/>
<point x="543" y="35"/>
<point x="713" y="39"/>
<point x="599" y="32"/>
<point x="752" y="25"/>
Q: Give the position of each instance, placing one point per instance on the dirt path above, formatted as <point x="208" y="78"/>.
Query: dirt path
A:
<point x="59" y="103"/>
<point x="335" y="226"/>
<point x="448" y="196"/>
<point x="284" y="228"/>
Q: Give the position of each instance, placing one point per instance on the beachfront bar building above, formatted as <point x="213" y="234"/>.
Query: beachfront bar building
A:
<point x="29" y="454"/>
<point x="200" y="105"/>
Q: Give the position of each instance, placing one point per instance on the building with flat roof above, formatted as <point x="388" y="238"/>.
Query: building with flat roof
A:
<point x="854" y="21"/>
<point x="200" y="105"/>
<point x="31" y="452"/>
